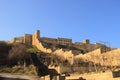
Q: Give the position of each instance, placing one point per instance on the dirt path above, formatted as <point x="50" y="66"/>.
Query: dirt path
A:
<point x="9" y="76"/>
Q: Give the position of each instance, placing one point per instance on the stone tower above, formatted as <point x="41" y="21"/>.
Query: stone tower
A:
<point x="35" y="37"/>
<point x="37" y="34"/>
<point x="87" y="41"/>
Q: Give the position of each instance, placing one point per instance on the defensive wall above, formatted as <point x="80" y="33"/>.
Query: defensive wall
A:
<point x="112" y="57"/>
<point x="97" y="56"/>
<point x="100" y="56"/>
<point x="109" y="58"/>
<point x="38" y="44"/>
<point x="36" y="41"/>
<point x="59" y="41"/>
<point x="32" y="40"/>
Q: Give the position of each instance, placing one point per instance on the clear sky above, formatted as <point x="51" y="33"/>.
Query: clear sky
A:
<point x="97" y="20"/>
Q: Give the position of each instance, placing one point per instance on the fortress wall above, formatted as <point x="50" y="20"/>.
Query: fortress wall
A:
<point x="49" y="40"/>
<point x="68" y="55"/>
<point x="28" y="39"/>
<point x="112" y="57"/>
<point x="35" y="40"/>
<point x="94" y="52"/>
<point x="64" y="41"/>
<point x="38" y="44"/>
<point x="18" y="40"/>
<point x="94" y="56"/>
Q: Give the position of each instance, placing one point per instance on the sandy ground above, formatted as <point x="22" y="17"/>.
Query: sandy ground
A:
<point x="94" y="76"/>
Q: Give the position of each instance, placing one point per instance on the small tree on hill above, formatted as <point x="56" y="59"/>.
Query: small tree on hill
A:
<point x="18" y="53"/>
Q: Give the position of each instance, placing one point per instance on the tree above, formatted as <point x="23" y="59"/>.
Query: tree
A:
<point x="18" y="53"/>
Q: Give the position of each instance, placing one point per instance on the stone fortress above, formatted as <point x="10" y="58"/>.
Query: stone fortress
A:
<point x="40" y="42"/>
<point x="93" y="52"/>
<point x="97" y="53"/>
<point x="31" y="39"/>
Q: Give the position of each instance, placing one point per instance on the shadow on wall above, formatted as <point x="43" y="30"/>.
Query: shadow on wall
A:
<point x="42" y="69"/>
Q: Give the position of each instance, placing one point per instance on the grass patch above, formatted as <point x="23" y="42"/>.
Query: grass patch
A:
<point x="30" y="70"/>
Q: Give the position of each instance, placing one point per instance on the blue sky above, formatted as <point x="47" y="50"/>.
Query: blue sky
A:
<point x="97" y="20"/>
